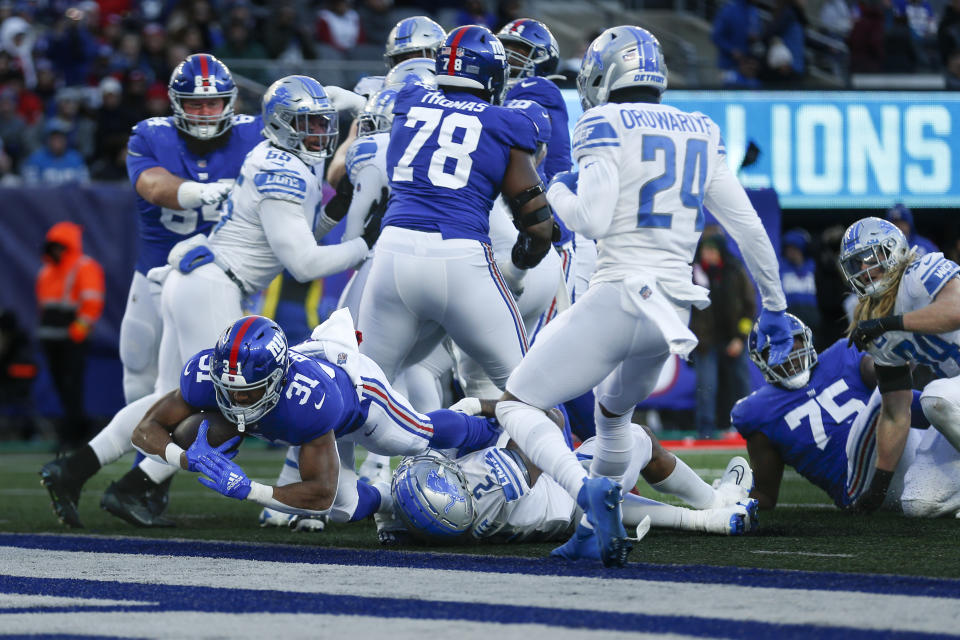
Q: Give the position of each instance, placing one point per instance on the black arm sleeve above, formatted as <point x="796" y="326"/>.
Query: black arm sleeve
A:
<point x="893" y="378"/>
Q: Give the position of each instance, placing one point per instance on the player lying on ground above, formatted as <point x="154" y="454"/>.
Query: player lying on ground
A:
<point x="319" y="396"/>
<point x="819" y="415"/>
<point x="498" y="495"/>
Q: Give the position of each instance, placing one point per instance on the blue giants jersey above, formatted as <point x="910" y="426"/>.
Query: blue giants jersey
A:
<point x="810" y="429"/>
<point x="547" y="95"/>
<point x="446" y="160"/>
<point x="156" y="143"/>
<point x="316" y="397"/>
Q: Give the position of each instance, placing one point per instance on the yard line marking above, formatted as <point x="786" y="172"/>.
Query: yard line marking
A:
<point x="807" y="553"/>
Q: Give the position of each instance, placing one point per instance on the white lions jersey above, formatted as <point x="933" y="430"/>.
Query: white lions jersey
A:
<point x="507" y="508"/>
<point x="645" y="173"/>
<point x="921" y="283"/>
<point x="239" y="241"/>
<point x="366" y="165"/>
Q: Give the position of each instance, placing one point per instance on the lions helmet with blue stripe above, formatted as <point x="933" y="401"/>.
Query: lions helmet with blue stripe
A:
<point x="250" y="361"/>
<point x="418" y="37"/>
<point x="422" y="70"/>
<point x="618" y="58"/>
<point x="299" y="117"/>
<point x="473" y="58"/>
<point x="377" y="115"/>
<point x="431" y="497"/>
<point x="202" y="77"/>
<point x="870" y="250"/>
<point x="794" y="372"/>
<point x="531" y="48"/>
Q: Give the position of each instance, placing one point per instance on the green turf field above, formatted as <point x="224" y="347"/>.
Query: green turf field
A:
<point x="803" y="533"/>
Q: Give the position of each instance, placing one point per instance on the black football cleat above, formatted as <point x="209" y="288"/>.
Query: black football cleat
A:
<point x="133" y="508"/>
<point x="64" y="492"/>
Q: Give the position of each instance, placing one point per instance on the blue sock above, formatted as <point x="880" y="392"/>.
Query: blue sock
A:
<point x="369" y="501"/>
<point x="454" y="430"/>
<point x="140" y="458"/>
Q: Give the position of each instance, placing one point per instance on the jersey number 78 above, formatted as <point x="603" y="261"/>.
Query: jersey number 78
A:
<point x="448" y="149"/>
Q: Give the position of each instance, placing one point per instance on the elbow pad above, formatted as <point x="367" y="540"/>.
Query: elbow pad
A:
<point x="524" y="254"/>
<point x="518" y="202"/>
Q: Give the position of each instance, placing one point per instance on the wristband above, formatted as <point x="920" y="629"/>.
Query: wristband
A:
<point x="892" y="323"/>
<point x="260" y="493"/>
<point x="172" y="454"/>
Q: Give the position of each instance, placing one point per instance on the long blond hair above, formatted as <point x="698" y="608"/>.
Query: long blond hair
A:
<point x="869" y="307"/>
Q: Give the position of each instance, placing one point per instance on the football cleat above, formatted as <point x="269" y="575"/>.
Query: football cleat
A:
<point x="391" y="531"/>
<point x="135" y="509"/>
<point x="375" y="468"/>
<point x="64" y="492"/>
<point x="582" y="545"/>
<point x="734" y="485"/>
<point x="753" y="514"/>
<point x="307" y="523"/>
<point x="734" y="520"/>
<point x="603" y="499"/>
<point x="274" y="518"/>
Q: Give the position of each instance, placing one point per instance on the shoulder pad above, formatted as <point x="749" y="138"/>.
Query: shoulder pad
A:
<point x="593" y="130"/>
<point x="361" y="151"/>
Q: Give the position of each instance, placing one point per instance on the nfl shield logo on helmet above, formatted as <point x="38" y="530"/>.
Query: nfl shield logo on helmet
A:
<point x="645" y="292"/>
<point x="341" y="359"/>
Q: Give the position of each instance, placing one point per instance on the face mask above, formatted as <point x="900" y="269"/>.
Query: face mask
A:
<point x="798" y="381"/>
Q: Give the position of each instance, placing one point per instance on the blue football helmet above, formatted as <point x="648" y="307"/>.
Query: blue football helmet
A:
<point x="202" y="77"/>
<point x="299" y="117"/>
<point x="418" y="37"/>
<point x="540" y="54"/>
<point x="251" y="356"/>
<point x="431" y="496"/>
<point x="866" y="245"/>
<point x="620" y="57"/>
<point x="472" y="57"/>
<point x="794" y="372"/>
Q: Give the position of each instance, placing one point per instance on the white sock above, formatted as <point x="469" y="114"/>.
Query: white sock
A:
<point x="114" y="439"/>
<point x="688" y="486"/>
<point x="542" y="442"/>
<point x="614" y="446"/>
<point x="386" y="498"/>
<point x="662" y="515"/>
<point x="290" y="472"/>
<point x="157" y="471"/>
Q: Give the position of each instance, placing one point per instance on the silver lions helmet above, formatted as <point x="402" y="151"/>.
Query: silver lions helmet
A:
<point x="299" y="117"/>
<point x="377" y="115"/>
<point x="620" y="57"/>
<point x="422" y="70"/>
<point x="418" y="36"/>
<point x="870" y="249"/>
<point x="431" y="496"/>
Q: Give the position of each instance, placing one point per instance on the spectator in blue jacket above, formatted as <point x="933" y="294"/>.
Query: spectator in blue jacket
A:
<point x="56" y="163"/>
<point x="901" y="216"/>
<point x="735" y="29"/>
<point x="798" y="276"/>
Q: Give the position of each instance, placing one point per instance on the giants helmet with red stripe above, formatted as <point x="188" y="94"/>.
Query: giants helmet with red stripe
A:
<point x="202" y="77"/>
<point x="249" y="364"/>
<point x="531" y="48"/>
<point x="473" y="58"/>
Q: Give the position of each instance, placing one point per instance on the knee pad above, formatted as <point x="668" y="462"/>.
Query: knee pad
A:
<point x="138" y="342"/>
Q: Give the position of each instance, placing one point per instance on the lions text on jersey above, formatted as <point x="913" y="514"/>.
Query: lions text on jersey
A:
<point x="810" y="427"/>
<point x="446" y="160"/>
<point x="156" y="143"/>
<point x="316" y="397"/>
<point x="921" y="283"/>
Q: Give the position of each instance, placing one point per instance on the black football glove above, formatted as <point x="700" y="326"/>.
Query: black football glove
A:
<point x="371" y="225"/>
<point x="871" y="499"/>
<point x="339" y="204"/>
<point x="867" y="331"/>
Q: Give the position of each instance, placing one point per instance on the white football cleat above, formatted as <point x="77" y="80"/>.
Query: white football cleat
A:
<point x="735" y="520"/>
<point x="274" y="518"/>
<point x="734" y="485"/>
<point x="307" y="523"/>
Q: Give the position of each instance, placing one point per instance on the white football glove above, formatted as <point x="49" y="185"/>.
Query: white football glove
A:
<point x="192" y="195"/>
<point x="469" y="406"/>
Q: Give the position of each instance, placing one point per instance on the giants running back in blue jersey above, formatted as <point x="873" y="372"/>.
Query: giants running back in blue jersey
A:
<point x="156" y="142"/>
<point x="446" y="160"/>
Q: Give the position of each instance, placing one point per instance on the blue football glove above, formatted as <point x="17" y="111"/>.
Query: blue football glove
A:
<point x="774" y="326"/>
<point x="201" y="447"/>
<point x="223" y="476"/>
<point x="568" y="178"/>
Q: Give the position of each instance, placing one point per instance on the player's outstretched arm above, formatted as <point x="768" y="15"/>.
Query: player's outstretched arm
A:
<point x="523" y="192"/>
<point x="585" y="200"/>
<point x="158" y="186"/>
<point x="152" y="435"/>
<point x="767" y="468"/>
<point x="319" y="473"/>
<point x="338" y="163"/>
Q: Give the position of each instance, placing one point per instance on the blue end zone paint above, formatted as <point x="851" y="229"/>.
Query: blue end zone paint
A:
<point x="171" y="598"/>
<point x="824" y="581"/>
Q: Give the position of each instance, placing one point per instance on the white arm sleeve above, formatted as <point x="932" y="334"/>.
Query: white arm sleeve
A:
<point x="590" y="210"/>
<point x="727" y="200"/>
<point x="292" y="241"/>
<point x="366" y="190"/>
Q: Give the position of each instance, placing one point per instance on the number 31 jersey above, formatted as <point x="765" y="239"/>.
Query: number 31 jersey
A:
<point x="447" y="157"/>
<point x="155" y="142"/>
<point x="810" y="429"/>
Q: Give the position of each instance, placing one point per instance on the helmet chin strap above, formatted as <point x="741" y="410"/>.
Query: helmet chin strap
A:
<point x="798" y="381"/>
<point x="241" y="423"/>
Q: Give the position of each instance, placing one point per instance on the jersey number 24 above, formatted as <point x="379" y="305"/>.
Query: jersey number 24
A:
<point x="659" y="149"/>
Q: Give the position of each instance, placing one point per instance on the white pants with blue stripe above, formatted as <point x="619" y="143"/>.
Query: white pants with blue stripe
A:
<point x="422" y="287"/>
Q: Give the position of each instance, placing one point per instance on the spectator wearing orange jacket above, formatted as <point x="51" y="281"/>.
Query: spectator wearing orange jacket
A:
<point x="70" y="290"/>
